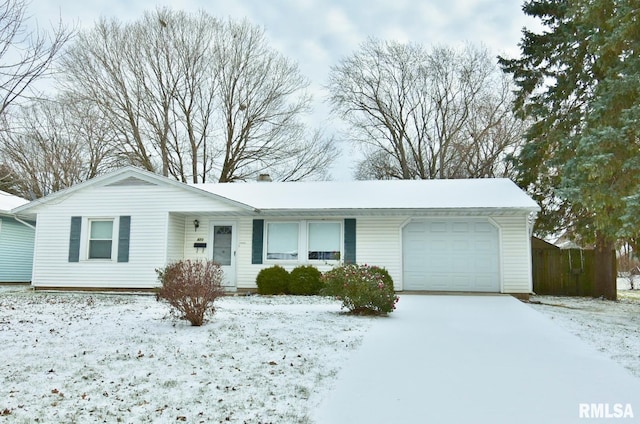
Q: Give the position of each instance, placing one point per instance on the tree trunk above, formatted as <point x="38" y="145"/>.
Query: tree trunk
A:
<point x="605" y="268"/>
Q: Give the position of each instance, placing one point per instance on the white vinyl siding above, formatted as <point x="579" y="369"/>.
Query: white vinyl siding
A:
<point x="378" y="242"/>
<point x="149" y="208"/>
<point x="246" y="272"/>
<point x="176" y="239"/>
<point x="516" y="253"/>
<point x="194" y="235"/>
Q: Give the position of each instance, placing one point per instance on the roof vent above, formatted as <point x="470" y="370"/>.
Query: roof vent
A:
<point x="264" y="178"/>
<point x="131" y="181"/>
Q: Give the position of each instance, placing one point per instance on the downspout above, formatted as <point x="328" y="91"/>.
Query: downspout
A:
<point x="533" y="216"/>
<point x="531" y="220"/>
<point x="33" y="227"/>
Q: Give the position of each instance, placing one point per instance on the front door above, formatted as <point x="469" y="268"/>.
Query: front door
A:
<point x="223" y="240"/>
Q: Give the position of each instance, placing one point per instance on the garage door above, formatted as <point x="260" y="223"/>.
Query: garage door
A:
<point x="451" y="255"/>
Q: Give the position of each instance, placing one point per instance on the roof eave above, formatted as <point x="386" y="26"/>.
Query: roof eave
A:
<point x="467" y="211"/>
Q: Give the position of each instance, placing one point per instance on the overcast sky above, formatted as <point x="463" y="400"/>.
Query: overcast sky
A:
<point x="318" y="33"/>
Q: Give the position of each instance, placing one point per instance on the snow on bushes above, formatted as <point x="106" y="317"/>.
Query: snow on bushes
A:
<point x="191" y="288"/>
<point x="363" y="289"/>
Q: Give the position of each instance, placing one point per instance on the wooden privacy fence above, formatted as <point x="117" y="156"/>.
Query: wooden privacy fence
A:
<point x="563" y="272"/>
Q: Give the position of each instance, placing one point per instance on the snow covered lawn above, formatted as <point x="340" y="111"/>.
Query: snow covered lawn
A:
<point x="611" y="327"/>
<point x="121" y="358"/>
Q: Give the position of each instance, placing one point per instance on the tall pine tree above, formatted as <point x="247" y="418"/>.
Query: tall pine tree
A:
<point x="578" y="81"/>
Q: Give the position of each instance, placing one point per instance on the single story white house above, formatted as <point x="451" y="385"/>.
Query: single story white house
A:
<point x="16" y="241"/>
<point x="439" y="235"/>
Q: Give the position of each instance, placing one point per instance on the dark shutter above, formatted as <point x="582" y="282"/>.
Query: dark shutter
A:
<point x="350" y="241"/>
<point x="123" y="238"/>
<point x="74" y="239"/>
<point x="257" y="241"/>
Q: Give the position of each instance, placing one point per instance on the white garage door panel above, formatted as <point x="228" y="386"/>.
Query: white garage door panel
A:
<point x="459" y="227"/>
<point x="436" y="280"/>
<point x="451" y="255"/>
<point x="485" y="283"/>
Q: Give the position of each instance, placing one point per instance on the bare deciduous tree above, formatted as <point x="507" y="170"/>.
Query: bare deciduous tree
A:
<point x="53" y="145"/>
<point x="7" y="179"/>
<point x="261" y="97"/>
<point x="196" y="98"/>
<point x="376" y="165"/>
<point x="308" y="157"/>
<point x="102" y="68"/>
<point x="426" y="114"/>
<point x="25" y="55"/>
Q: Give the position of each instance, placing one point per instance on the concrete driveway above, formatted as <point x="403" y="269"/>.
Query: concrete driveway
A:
<point x="477" y="359"/>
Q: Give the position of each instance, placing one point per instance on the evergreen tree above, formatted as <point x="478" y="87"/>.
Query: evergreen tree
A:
<point x="579" y="83"/>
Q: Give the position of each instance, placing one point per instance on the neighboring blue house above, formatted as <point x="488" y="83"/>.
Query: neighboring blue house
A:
<point x="16" y="242"/>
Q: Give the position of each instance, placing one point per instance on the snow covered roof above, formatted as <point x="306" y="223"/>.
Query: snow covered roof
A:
<point x="9" y="201"/>
<point x="388" y="194"/>
<point x="318" y="196"/>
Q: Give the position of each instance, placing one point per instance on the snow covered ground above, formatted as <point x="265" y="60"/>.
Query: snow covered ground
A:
<point x="611" y="327"/>
<point x="70" y="357"/>
<point x="122" y="358"/>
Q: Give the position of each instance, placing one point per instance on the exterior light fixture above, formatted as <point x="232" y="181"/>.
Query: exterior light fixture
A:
<point x="196" y="224"/>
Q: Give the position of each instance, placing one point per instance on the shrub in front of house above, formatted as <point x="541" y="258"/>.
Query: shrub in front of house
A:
<point x="191" y="288"/>
<point x="305" y="280"/>
<point x="273" y="280"/>
<point x="383" y="273"/>
<point x="363" y="289"/>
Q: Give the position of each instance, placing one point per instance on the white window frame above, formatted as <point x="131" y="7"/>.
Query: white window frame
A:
<point x="303" y="241"/>
<point x="87" y="238"/>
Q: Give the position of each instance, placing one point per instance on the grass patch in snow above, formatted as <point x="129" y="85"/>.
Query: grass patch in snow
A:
<point x="629" y="295"/>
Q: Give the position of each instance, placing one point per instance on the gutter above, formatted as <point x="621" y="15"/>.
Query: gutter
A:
<point x="465" y="211"/>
